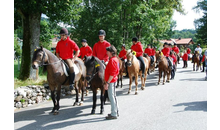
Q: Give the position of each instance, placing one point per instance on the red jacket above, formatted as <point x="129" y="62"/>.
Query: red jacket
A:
<point x="148" y="51"/>
<point x="153" y="52"/>
<point x="66" y="48"/>
<point x="122" y="54"/>
<point x="203" y="58"/>
<point x="185" y="57"/>
<point x="138" y="49"/>
<point x="85" y="51"/>
<point x="176" y="49"/>
<point x="99" y="50"/>
<point x="174" y="58"/>
<point x="188" y="51"/>
<point x="166" y="52"/>
<point x="112" y="69"/>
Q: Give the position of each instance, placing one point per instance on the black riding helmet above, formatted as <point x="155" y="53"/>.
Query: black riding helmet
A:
<point x="83" y="40"/>
<point x="64" y="31"/>
<point x="101" y="33"/>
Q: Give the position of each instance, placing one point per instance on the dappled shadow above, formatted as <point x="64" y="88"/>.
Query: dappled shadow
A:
<point x="193" y="106"/>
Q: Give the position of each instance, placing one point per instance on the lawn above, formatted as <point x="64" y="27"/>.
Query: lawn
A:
<point x="17" y="83"/>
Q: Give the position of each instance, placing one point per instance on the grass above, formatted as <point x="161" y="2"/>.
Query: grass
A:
<point x="17" y="83"/>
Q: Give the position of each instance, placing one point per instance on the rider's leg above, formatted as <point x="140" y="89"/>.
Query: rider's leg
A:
<point x="142" y="65"/>
<point x="72" y="73"/>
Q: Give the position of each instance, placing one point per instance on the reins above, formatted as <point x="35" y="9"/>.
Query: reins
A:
<point x="43" y="63"/>
<point x="94" y="72"/>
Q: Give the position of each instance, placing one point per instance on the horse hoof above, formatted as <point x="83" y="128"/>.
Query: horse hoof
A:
<point x="76" y="104"/>
<point x="93" y="112"/>
<point x="168" y="81"/>
<point x="102" y="111"/>
<point x="129" y="92"/>
<point x="136" y="93"/>
<point x="81" y="103"/>
<point x="142" y="88"/>
<point x="163" y="83"/>
<point x="56" y="112"/>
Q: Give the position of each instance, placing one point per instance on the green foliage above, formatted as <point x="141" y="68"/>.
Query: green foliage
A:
<point x="123" y="20"/>
<point x="201" y="24"/>
<point x="17" y="46"/>
<point x="185" y="33"/>
<point x="22" y="100"/>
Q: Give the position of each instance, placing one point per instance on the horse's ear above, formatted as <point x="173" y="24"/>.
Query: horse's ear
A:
<point x="41" y="47"/>
<point x="85" y="57"/>
<point x="93" y="58"/>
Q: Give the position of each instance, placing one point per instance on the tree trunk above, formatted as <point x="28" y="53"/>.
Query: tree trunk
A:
<point x="31" y="35"/>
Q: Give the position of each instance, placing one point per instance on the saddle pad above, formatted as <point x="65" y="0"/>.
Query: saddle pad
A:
<point x="76" y="69"/>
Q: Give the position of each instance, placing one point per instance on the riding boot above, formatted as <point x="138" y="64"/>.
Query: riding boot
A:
<point x="152" y="60"/>
<point x="72" y="77"/>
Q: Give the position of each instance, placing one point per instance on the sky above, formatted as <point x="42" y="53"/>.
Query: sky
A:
<point x="186" y="21"/>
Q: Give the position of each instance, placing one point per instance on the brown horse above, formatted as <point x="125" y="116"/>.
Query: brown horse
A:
<point x="56" y="75"/>
<point x="163" y="67"/>
<point x="133" y="65"/>
<point x="151" y="67"/>
<point x="196" y="61"/>
<point x="95" y="76"/>
<point x="121" y="71"/>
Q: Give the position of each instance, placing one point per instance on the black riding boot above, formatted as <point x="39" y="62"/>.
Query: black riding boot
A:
<point x="72" y="77"/>
<point x="152" y="60"/>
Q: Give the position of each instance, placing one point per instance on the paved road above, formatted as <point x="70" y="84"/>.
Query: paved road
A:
<point x="178" y="105"/>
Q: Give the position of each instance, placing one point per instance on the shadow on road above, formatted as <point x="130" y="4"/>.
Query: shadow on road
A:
<point x="193" y="106"/>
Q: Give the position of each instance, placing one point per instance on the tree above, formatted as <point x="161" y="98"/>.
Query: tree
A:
<point x="30" y="12"/>
<point x="201" y="24"/>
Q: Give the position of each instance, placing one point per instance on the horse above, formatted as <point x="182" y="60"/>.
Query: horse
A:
<point x="95" y="75"/>
<point x="163" y="67"/>
<point x="151" y="67"/>
<point x="56" y="75"/>
<point x="121" y="71"/>
<point x="196" y="61"/>
<point x="134" y="70"/>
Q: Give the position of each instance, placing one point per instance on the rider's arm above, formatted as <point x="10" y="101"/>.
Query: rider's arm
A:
<point x="76" y="54"/>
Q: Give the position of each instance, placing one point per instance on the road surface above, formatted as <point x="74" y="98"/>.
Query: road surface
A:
<point x="178" y="105"/>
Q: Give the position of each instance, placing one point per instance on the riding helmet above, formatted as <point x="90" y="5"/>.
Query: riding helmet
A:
<point x="198" y="45"/>
<point x="64" y="31"/>
<point x="165" y="43"/>
<point x="135" y="39"/>
<point x="83" y="40"/>
<point x="123" y="45"/>
<point x="101" y="33"/>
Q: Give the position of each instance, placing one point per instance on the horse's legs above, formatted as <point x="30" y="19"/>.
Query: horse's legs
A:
<point x="136" y="83"/>
<point x="102" y="100"/>
<point x="77" y="93"/>
<point x="164" y="74"/>
<point x="54" y="100"/>
<point x="168" y="76"/>
<point x="160" y="75"/>
<point x="94" y="100"/>
<point x="118" y="81"/>
<point x="82" y="87"/>
<point x="194" y="66"/>
<point x="130" y="83"/>
<point x="121" y="79"/>
<point x="58" y="99"/>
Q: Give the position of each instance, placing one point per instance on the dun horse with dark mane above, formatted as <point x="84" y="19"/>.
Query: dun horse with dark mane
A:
<point x="56" y="75"/>
<point x="133" y="65"/>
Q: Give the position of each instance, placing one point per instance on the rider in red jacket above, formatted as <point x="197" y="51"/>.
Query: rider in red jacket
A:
<point x="149" y="52"/>
<point x="122" y="53"/>
<point x="99" y="49"/>
<point x="166" y="53"/>
<point x="86" y="50"/>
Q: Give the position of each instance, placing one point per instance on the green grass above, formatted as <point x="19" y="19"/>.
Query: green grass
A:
<point x="17" y="83"/>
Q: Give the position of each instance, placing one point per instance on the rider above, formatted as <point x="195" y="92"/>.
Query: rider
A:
<point x="154" y="50"/>
<point x="200" y="52"/>
<point x="170" y="46"/>
<point x="185" y="59"/>
<point x="176" y="50"/>
<point x="188" y="52"/>
<point x="148" y="51"/>
<point x="137" y="47"/>
<point x="64" y="50"/>
<point x="85" y="50"/>
<point x="174" y="66"/>
<point x="166" y="53"/>
<point x="122" y="56"/>
<point x="99" y="49"/>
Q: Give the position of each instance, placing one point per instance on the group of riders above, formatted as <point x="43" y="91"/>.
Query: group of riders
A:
<point x="66" y="46"/>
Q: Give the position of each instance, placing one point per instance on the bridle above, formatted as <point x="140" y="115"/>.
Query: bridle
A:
<point x="131" y="59"/>
<point x="94" y="72"/>
<point x="43" y="58"/>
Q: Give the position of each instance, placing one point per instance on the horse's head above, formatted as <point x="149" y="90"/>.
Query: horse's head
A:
<point x="159" y="56"/>
<point x="129" y="56"/>
<point x="91" y="65"/>
<point x="39" y="58"/>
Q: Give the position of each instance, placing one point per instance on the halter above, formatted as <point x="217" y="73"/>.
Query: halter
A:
<point x="94" y="72"/>
<point x="132" y="59"/>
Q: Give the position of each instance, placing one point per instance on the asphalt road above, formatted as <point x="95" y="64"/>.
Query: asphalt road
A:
<point x="178" y="105"/>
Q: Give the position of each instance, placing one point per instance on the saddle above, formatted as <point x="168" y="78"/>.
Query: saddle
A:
<point x="66" y="68"/>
